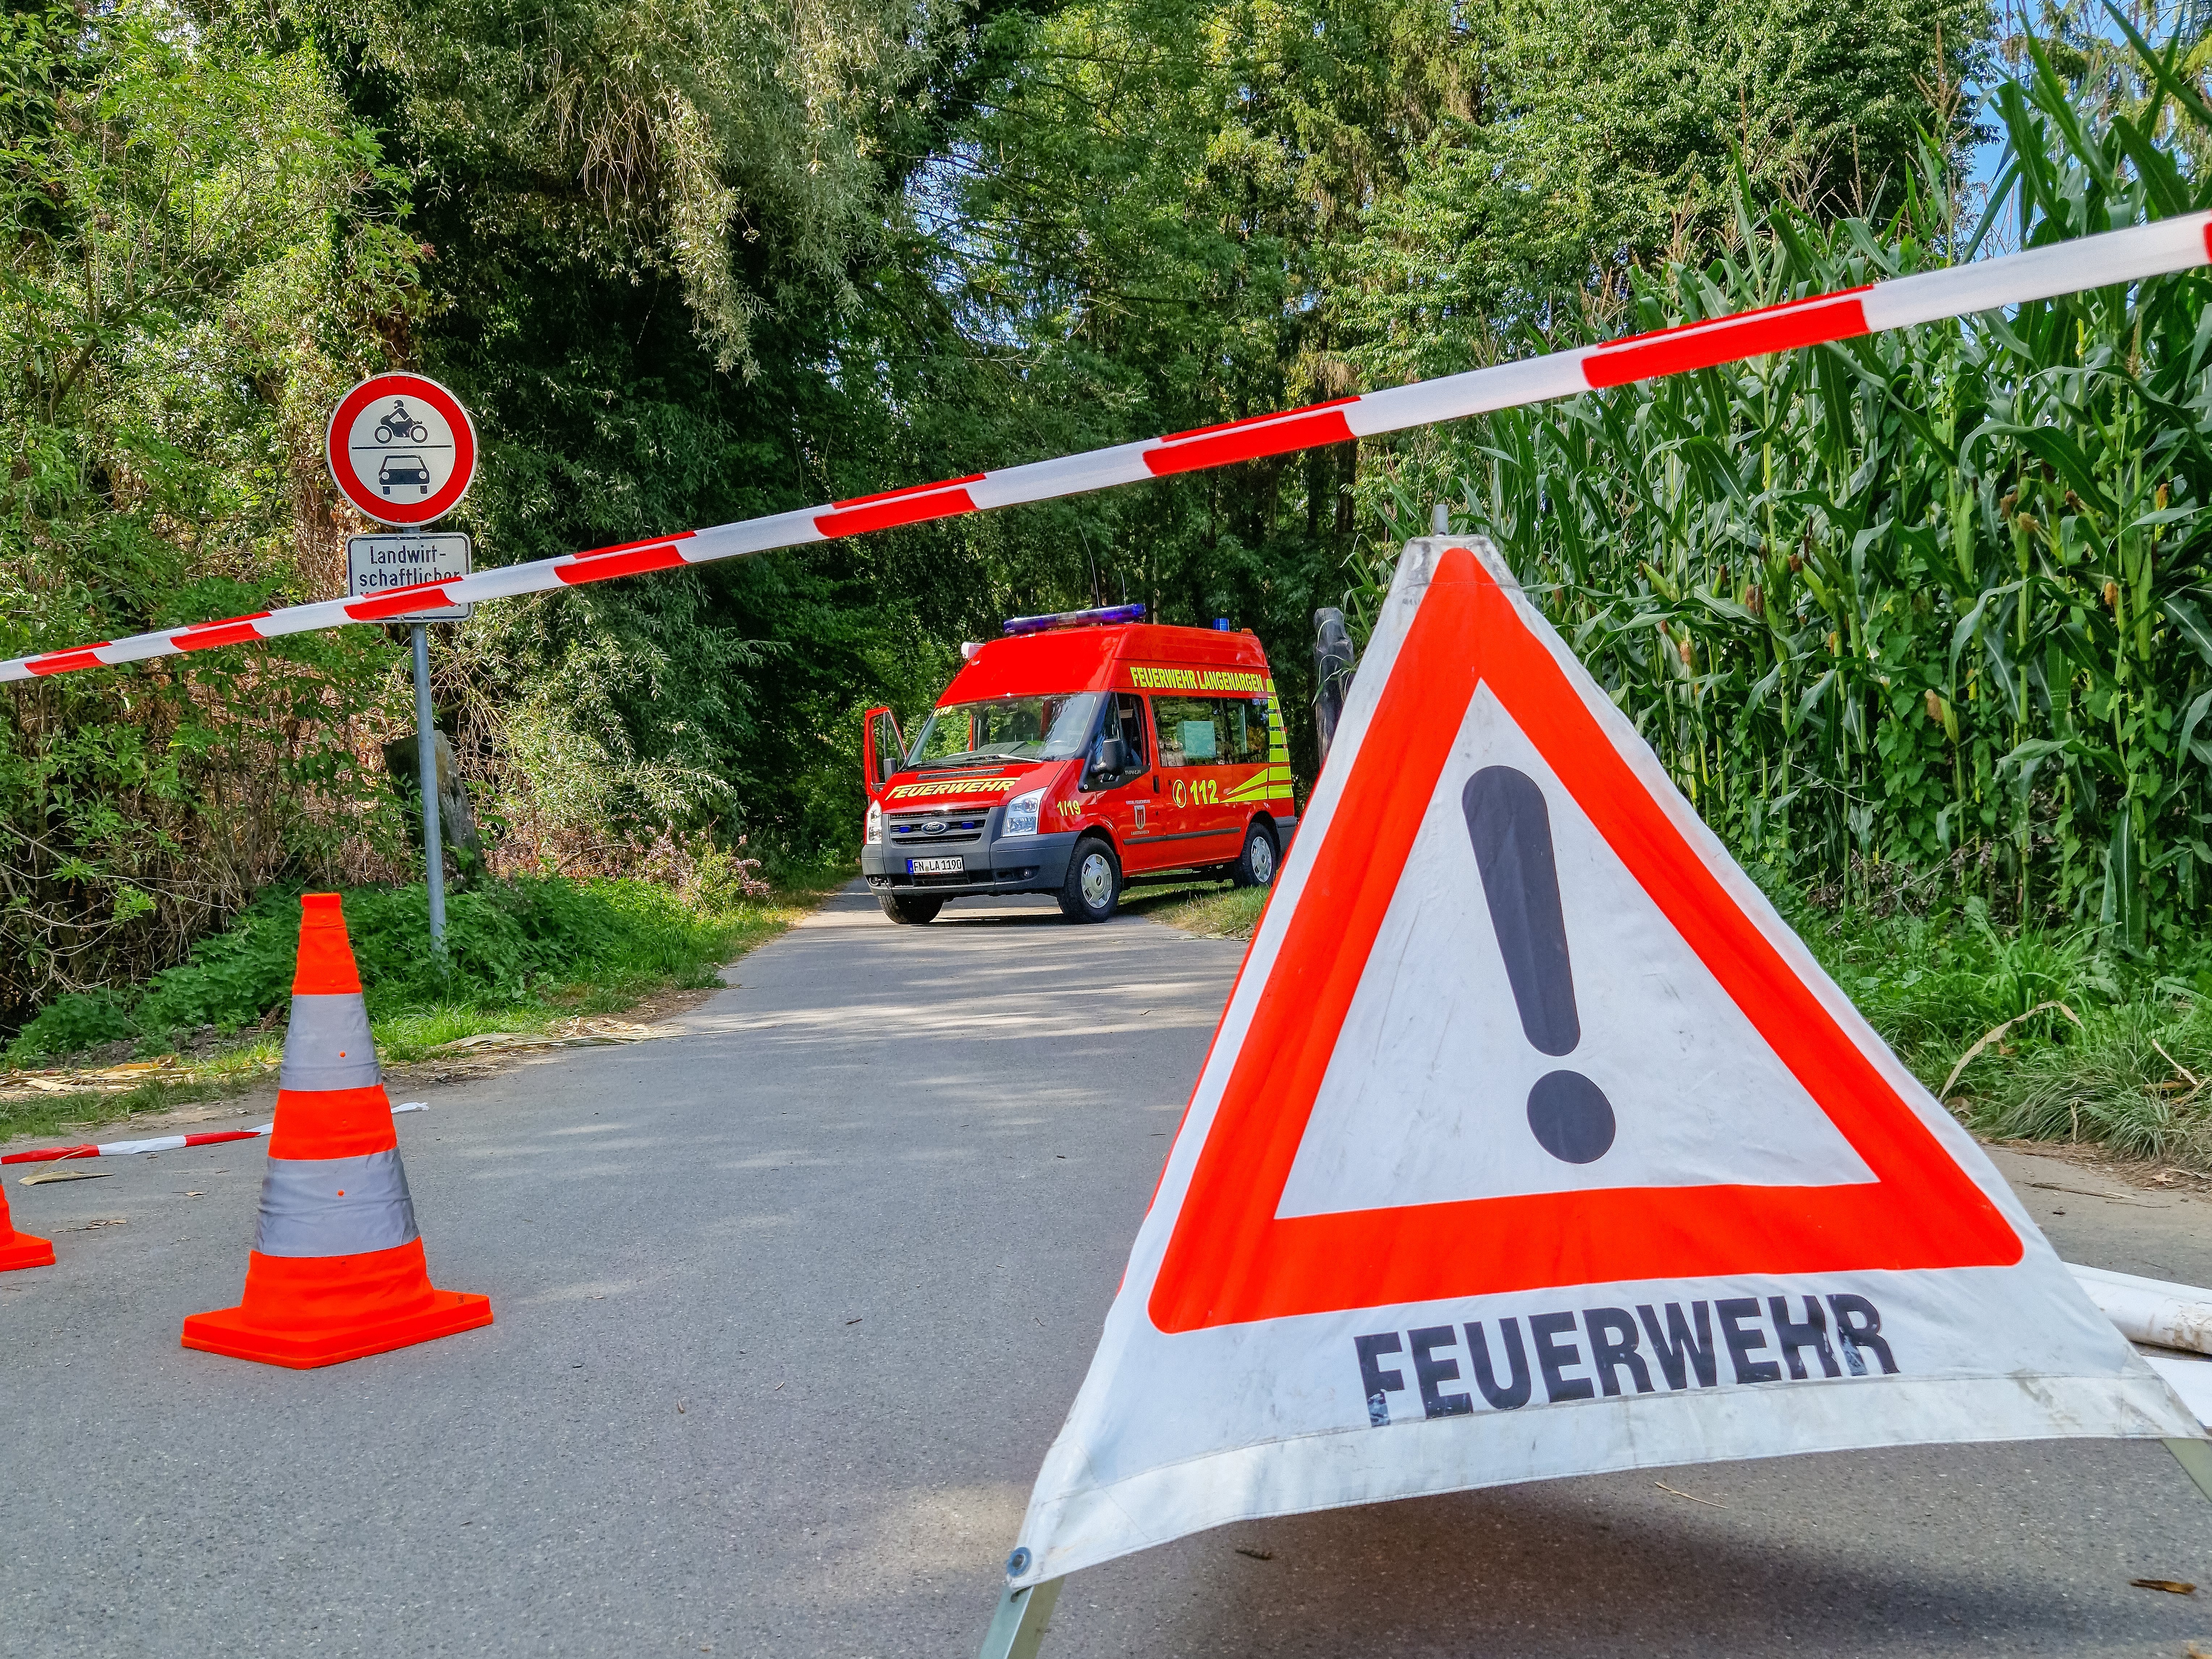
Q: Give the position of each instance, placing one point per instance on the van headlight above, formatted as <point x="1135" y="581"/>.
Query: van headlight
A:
<point x="1022" y="814"/>
<point x="874" y="832"/>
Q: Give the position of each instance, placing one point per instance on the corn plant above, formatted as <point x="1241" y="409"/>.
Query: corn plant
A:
<point x="1926" y="607"/>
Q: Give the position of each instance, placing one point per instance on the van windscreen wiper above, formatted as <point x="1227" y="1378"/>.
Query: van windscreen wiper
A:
<point x="965" y="757"/>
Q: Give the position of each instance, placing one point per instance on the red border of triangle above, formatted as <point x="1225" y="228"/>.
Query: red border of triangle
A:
<point x="1230" y="1259"/>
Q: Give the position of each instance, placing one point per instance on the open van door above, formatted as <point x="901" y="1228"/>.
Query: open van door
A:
<point x="882" y="748"/>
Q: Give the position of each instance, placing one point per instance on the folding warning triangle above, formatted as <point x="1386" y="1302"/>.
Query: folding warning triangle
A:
<point x="1533" y="1143"/>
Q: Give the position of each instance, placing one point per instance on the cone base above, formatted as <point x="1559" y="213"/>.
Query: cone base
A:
<point x="21" y="1250"/>
<point x="227" y="1331"/>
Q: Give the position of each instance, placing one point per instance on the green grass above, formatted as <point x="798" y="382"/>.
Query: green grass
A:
<point x="1210" y="911"/>
<point x="2122" y="1082"/>
<point x="67" y="1113"/>
<point x="2119" y="1063"/>
<point x="522" y="956"/>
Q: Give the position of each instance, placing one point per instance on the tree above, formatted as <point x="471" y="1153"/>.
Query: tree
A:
<point x="190" y="271"/>
<point x="650" y="232"/>
<point x="1602" y="135"/>
<point x="1171" y="213"/>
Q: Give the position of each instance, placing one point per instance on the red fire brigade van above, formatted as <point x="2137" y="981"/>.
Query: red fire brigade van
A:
<point x="1077" y="752"/>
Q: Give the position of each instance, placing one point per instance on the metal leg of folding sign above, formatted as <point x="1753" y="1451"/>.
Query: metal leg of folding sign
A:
<point x="2196" y="1457"/>
<point x="1021" y="1621"/>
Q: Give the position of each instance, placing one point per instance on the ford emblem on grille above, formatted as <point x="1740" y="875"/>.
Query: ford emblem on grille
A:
<point x="934" y="827"/>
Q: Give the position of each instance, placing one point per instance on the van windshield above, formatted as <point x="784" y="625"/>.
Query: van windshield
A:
<point x="1006" y="728"/>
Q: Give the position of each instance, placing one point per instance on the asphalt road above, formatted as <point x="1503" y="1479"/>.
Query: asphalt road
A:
<point x="790" y="1305"/>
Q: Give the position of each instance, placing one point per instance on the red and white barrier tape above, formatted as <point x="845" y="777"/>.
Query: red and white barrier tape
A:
<point x="165" y="1143"/>
<point x="2119" y="255"/>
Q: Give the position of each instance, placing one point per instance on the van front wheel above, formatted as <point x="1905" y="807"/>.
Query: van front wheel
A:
<point x="1093" y="887"/>
<point x="910" y="912"/>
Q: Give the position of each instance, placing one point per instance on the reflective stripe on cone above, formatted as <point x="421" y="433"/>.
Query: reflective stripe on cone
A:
<point x="338" y="1270"/>
<point x="317" y="1207"/>
<point x="327" y="1045"/>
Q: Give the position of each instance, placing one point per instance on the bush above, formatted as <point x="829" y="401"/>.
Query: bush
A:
<point x="507" y="945"/>
<point x="2123" y="1064"/>
<point x="82" y="1019"/>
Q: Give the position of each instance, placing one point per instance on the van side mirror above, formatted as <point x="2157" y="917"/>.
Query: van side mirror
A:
<point x="1113" y="754"/>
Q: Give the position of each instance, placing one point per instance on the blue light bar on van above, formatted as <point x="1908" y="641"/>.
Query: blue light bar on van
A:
<point x="1111" y="614"/>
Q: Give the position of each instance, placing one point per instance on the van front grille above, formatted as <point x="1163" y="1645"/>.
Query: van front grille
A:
<point x="907" y="829"/>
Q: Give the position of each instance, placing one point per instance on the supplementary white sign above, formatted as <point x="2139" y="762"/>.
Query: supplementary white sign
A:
<point x="377" y="564"/>
<point x="1533" y="1143"/>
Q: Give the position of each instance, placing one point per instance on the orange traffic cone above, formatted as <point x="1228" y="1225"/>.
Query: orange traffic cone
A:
<point x="336" y="1270"/>
<point x="20" y="1249"/>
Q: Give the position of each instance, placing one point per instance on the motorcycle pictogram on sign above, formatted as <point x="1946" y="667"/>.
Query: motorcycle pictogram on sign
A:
<point x="400" y="425"/>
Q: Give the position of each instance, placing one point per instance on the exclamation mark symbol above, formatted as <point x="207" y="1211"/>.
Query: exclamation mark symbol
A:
<point x="1511" y="829"/>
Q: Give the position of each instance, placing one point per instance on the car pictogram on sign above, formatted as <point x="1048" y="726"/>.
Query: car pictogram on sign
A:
<point x="403" y="470"/>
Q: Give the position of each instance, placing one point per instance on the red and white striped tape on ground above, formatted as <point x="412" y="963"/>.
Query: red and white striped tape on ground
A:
<point x="2120" y="256"/>
<point x="165" y="1143"/>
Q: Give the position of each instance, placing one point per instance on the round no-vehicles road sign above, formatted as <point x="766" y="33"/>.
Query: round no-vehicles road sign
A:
<point x="402" y="448"/>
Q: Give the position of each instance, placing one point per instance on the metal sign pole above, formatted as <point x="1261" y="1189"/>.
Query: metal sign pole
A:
<point x="426" y="751"/>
